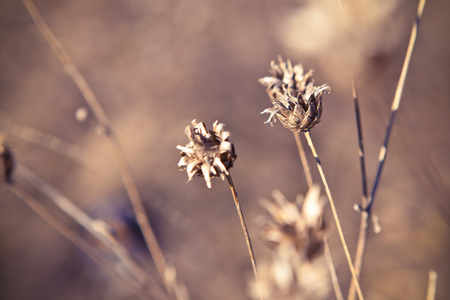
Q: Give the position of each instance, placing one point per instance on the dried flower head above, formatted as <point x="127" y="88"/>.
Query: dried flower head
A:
<point x="209" y="152"/>
<point x="298" y="113"/>
<point x="298" y="225"/>
<point x="6" y="162"/>
<point x="295" y="231"/>
<point x="297" y="103"/>
<point x="286" y="75"/>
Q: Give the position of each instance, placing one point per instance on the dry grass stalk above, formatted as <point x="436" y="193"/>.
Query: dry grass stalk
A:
<point x="210" y="154"/>
<point x="94" y="104"/>
<point x="367" y="208"/>
<point x="432" y="279"/>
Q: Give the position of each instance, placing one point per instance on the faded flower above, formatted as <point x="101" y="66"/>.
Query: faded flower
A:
<point x="295" y="232"/>
<point x="286" y="75"/>
<point x="299" y="113"/>
<point x="209" y="152"/>
<point x="297" y="103"/>
<point x="299" y="223"/>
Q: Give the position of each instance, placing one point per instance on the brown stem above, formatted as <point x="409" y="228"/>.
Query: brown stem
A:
<point x="94" y="104"/>
<point x="245" y="230"/>
<point x="334" y="211"/>
<point x="328" y="257"/>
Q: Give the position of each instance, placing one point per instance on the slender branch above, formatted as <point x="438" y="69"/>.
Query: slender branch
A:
<point x="334" y="278"/>
<point x="99" y="229"/>
<point x="91" y="251"/>
<point x="365" y="217"/>
<point x="432" y="278"/>
<point x="130" y="185"/>
<point x="334" y="211"/>
<point x="245" y="230"/>
<point x="328" y="257"/>
<point x="396" y="102"/>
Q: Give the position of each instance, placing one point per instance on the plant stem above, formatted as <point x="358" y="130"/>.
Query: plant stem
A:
<point x="328" y="257"/>
<point x="432" y="278"/>
<point x="396" y="101"/>
<point x="365" y="217"/>
<point x="245" y="230"/>
<point x="334" y="211"/>
<point x="94" y="104"/>
<point x="303" y="159"/>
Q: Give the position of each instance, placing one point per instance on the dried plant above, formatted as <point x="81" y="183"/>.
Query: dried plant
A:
<point x="297" y="103"/>
<point x="294" y="231"/>
<point x="209" y="153"/>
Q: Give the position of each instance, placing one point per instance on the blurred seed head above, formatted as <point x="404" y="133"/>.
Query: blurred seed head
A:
<point x="209" y="153"/>
<point x="299" y="224"/>
<point x="295" y="231"/>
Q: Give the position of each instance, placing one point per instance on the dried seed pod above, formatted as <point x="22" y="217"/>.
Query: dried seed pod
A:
<point x="209" y="152"/>
<point x="298" y="113"/>
<point x="286" y="76"/>
<point x="295" y="224"/>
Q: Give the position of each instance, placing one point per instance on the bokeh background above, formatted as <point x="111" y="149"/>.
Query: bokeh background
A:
<point x="156" y="65"/>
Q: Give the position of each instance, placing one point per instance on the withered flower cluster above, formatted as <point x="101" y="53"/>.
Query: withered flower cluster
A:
<point x="295" y="231"/>
<point x="209" y="152"/>
<point x="297" y="103"/>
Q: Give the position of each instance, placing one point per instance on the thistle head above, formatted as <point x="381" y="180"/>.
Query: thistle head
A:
<point x="284" y="75"/>
<point x="209" y="153"/>
<point x="298" y="113"/>
<point x="295" y="225"/>
<point x="297" y="103"/>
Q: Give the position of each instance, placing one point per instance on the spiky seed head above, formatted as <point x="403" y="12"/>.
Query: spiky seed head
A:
<point x="209" y="153"/>
<point x="284" y="75"/>
<point x="298" y="113"/>
<point x="297" y="103"/>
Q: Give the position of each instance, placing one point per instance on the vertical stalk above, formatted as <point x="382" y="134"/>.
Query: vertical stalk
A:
<point x="334" y="211"/>
<point x="245" y="230"/>
<point x="328" y="257"/>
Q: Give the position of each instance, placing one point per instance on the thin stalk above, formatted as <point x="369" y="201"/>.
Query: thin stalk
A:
<point x="245" y="230"/>
<point x="432" y="278"/>
<point x="94" y="104"/>
<point x="309" y="181"/>
<point x="334" y="211"/>
<point x="96" y="228"/>
<point x="396" y="102"/>
<point x="301" y="152"/>
<point x="365" y="217"/>
<point x="90" y="250"/>
<point x="334" y="278"/>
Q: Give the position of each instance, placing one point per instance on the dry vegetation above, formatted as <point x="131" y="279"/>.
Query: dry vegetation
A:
<point x="156" y="65"/>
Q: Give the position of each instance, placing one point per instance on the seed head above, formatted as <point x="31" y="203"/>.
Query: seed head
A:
<point x="297" y="103"/>
<point x="298" y="113"/>
<point x="286" y="75"/>
<point x="209" y="152"/>
<point x="295" y="225"/>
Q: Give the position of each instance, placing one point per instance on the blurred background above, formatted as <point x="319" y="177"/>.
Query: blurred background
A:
<point x="157" y="65"/>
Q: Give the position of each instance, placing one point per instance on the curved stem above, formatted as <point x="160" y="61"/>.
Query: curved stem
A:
<point x="94" y="104"/>
<point x="303" y="159"/>
<point x="334" y="211"/>
<point x="245" y="230"/>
